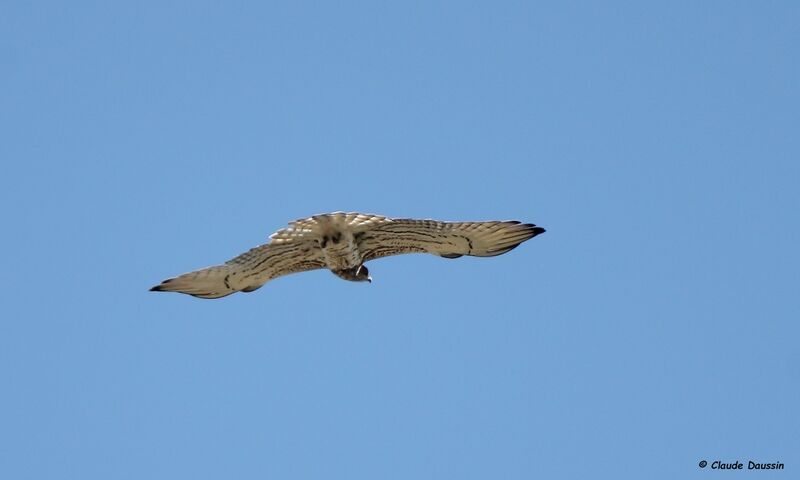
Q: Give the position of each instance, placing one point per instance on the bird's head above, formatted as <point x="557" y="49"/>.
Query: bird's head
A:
<point x="355" y="274"/>
<point x="362" y="274"/>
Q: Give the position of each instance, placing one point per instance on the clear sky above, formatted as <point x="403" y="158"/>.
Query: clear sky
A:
<point x="654" y="325"/>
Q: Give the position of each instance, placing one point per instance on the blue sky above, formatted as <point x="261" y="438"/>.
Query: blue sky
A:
<point x="654" y="325"/>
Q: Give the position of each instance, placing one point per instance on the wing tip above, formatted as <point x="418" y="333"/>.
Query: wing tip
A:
<point x="523" y="233"/>
<point x="529" y="229"/>
<point x="161" y="287"/>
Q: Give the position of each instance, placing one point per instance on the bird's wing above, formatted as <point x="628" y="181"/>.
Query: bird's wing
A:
<point x="446" y="239"/>
<point x="250" y="270"/>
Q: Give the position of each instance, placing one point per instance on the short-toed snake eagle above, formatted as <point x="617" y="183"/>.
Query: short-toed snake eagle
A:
<point x="342" y="242"/>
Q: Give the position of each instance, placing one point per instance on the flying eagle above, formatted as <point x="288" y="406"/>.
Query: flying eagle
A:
<point x="342" y="242"/>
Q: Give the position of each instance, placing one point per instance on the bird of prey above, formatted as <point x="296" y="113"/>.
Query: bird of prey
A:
<point x="342" y="242"/>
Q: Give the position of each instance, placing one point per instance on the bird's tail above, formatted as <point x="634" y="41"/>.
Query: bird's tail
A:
<point x="211" y="282"/>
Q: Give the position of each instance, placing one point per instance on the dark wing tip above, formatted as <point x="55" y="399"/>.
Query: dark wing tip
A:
<point x="160" y="286"/>
<point x="532" y="230"/>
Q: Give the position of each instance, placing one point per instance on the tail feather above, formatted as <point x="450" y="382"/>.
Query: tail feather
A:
<point x="211" y="282"/>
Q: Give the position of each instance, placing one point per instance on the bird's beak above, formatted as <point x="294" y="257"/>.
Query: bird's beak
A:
<point x="369" y="279"/>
